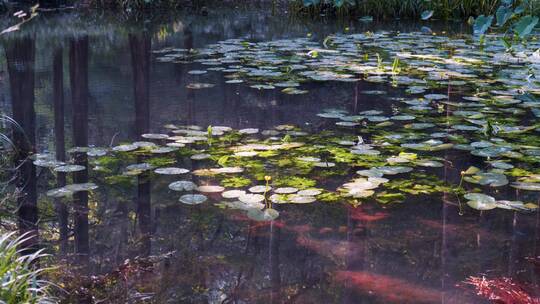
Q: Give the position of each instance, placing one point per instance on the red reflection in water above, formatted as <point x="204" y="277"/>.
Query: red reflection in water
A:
<point x="360" y="214"/>
<point x="335" y="250"/>
<point x="387" y="288"/>
<point x="300" y="228"/>
<point x="325" y="230"/>
<point x="502" y="290"/>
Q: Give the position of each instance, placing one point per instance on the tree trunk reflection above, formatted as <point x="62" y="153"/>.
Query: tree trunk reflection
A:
<point x="140" y="45"/>
<point x="20" y="56"/>
<point x="78" y="57"/>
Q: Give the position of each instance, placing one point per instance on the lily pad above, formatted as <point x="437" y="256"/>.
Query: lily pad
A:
<point x="233" y="193"/>
<point x="249" y="198"/>
<point x="171" y="171"/>
<point x="526" y="186"/>
<point x="69" y="168"/>
<point x="193" y="199"/>
<point x="182" y="185"/>
<point x="480" y="201"/>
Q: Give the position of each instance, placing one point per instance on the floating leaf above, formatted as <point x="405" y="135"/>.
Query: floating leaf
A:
<point x="193" y="199"/>
<point x="69" y="168"/>
<point x="233" y="193"/>
<point x="526" y="186"/>
<point x="259" y="189"/>
<point x="480" y="201"/>
<point x="182" y="185"/>
<point x="171" y="171"/>
<point x="309" y="192"/>
<point x="285" y="190"/>
<point x="251" y="198"/>
<point x="301" y="199"/>
<point x="210" y="189"/>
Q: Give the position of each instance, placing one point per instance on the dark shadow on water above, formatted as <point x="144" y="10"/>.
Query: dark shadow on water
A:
<point x="20" y="57"/>
<point x="78" y="70"/>
<point x="140" y="46"/>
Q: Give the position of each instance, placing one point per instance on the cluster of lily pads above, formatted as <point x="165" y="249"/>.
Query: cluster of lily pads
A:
<point x="489" y="106"/>
<point x="487" y="115"/>
<point x="255" y="170"/>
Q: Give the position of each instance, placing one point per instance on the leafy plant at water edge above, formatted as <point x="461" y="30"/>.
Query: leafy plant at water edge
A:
<point x="510" y="18"/>
<point x="415" y="9"/>
<point x="20" y="274"/>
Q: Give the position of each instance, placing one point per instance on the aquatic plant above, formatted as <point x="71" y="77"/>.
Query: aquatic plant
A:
<point x="487" y="130"/>
<point x="20" y="273"/>
<point x="412" y="9"/>
<point x="511" y="18"/>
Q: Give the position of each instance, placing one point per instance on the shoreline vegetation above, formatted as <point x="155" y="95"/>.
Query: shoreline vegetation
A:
<point x="363" y="9"/>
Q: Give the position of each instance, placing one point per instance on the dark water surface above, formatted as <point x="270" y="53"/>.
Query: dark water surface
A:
<point x="114" y="90"/>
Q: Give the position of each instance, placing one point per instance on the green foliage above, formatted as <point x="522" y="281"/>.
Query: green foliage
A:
<point x="120" y="180"/>
<point x="19" y="273"/>
<point x="420" y="184"/>
<point x="342" y="155"/>
<point x="161" y="161"/>
<point x="395" y="66"/>
<point x="222" y="161"/>
<point x="504" y="13"/>
<point x="482" y="24"/>
<point x="418" y="9"/>
<point x="507" y="15"/>
<point x="295" y="181"/>
<point x="390" y="197"/>
<point x="329" y="197"/>
<point x="236" y="182"/>
<point x="109" y="162"/>
<point x="525" y="25"/>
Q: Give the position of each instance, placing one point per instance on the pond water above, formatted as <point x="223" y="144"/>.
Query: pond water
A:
<point x="393" y="163"/>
